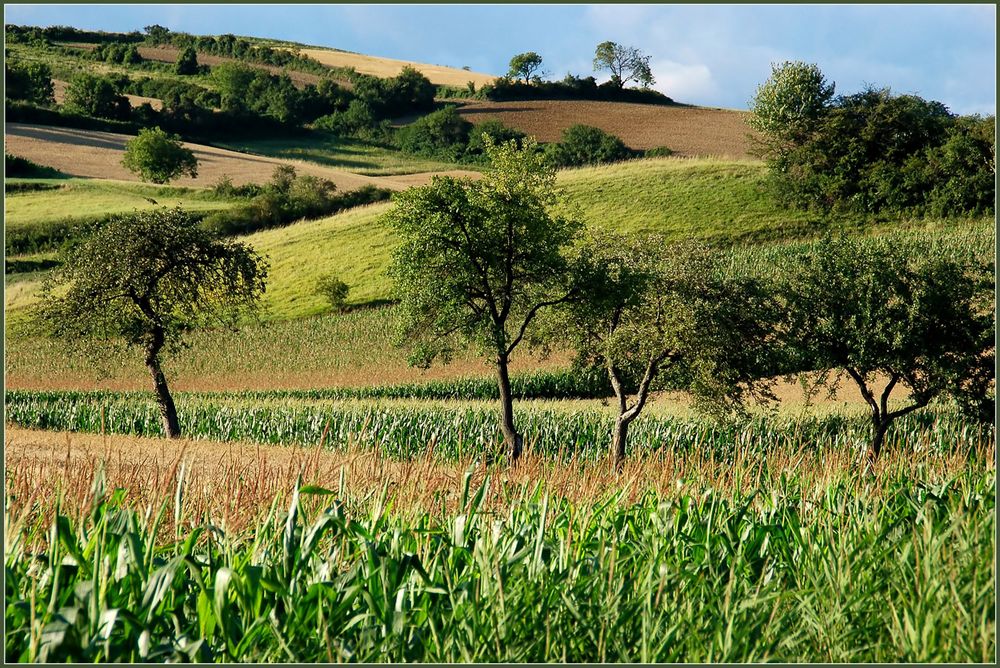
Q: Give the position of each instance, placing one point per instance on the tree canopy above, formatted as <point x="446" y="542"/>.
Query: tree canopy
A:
<point x="158" y="156"/>
<point x="626" y="63"/>
<point x="148" y="278"/>
<point x="524" y="66"/>
<point x="479" y="259"/>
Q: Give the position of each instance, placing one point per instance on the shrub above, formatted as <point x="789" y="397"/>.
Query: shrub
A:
<point x="587" y="145"/>
<point x="16" y="166"/>
<point x="29" y="81"/>
<point x="187" y="62"/>
<point x="356" y="119"/>
<point x="501" y="134"/>
<point x="158" y="156"/>
<point x="92" y="95"/>
<point x="442" y="134"/>
<point x="658" y="152"/>
<point x="334" y="291"/>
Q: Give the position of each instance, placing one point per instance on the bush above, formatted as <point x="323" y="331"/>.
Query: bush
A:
<point x="187" y="62"/>
<point x="355" y="120"/>
<point x="587" y="145"/>
<point x="476" y="148"/>
<point x="31" y="82"/>
<point x="441" y="134"/>
<point x="658" y="152"/>
<point x="334" y="291"/>
<point x="158" y="156"/>
<point x="92" y="95"/>
<point x="18" y="167"/>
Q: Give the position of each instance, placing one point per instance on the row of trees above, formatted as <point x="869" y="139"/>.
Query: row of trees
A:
<point x="871" y="151"/>
<point x="486" y="263"/>
<point x="624" y="63"/>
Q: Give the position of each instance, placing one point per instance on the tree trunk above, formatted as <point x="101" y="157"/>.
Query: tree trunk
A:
<point x="163" y="399"/>
<point x="619" y="441"/>
<point x="878" y="438"/>
<point x="512" y="439"/>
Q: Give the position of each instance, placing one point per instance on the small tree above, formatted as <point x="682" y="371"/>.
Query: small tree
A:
<point x="524" y="65"/>
<point x="586" y="145"/>
<point x="96" y="96"/>
<point x="626" y="63"/>
<point x="149" y="278"/>
<point x="334" y="290"/>
<point x="479" y="260"/>
<point x="904" y="311"/>
<point x="29" y="81"/>
<point x="788" y="106"/>
<point x="655" y="314"/>
<point x="158" y="156"/>
<point x="187" y="62"/>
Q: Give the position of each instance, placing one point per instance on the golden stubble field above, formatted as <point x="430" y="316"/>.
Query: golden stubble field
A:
<point x="688" y="131"/>
<point x="94" y="154"/>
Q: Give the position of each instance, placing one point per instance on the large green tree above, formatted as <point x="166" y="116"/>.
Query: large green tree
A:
<point x="93" y="95"/>
<point x="626" y="63"/>
<point x="655" y="314"/>
<point x="29" y="81"/>
<point x="479" y="260"/>
<point x="524" y="66"/>
<point x="893" y="314"/>
<point x="148" y="279"/>
<point x="158" y="156"/>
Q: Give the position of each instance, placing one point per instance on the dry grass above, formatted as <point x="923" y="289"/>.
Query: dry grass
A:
<point x="233" y="485"/>
<point x="688" y="131"/>
<point x="93" y="154"/>
<point x="59" y="91"/>
<point x="389" y="67"/>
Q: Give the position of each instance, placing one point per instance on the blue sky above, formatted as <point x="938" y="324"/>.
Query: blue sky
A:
<point x="702" y="54"/>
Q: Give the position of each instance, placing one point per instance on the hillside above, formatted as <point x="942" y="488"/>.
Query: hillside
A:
<point x="94" y="154"/>
<point x="440" y="75"/>
<point x="688" y="131"/>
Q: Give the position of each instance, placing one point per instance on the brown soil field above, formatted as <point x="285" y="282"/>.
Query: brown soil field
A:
<point x="168" y="54"/>
<point x="234" y="484"/>
<point x="389" y="67"/>
<point x="688" y="131"/>
<point x="93" y="154"/>
<point x="134" y="100"/>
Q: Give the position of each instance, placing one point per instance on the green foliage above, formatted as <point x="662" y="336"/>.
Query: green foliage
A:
<point x="698" y="576"/>
<point x="287" y="198"/>
<point x="158" y="156"/>
<point x="121" y="53"/>
<point x="788" y="106"/>
<point x="658" y="152"/>
<point x="440" y="134"/>
<point x="334" y="290"/>
<point x="494" y="128"/>
<point x="910" y="312"/>
<point x="626" y="63"/>
<point x="871" y="151"/>
<point x="93" y="95"/>
<point x="356" y="120"/>
<point x="17" y="167"/>
<point x="150" y="275"/>
<point x="29" y="81"/>
<point x="187" y="62"/>
<point x="586" y="145"/>
<point x="524" y="65"/>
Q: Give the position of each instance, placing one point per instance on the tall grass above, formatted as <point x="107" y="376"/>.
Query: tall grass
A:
<point x="786" y="574"/>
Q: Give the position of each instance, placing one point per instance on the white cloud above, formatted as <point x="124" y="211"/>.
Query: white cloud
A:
<point x="683" y="81"/>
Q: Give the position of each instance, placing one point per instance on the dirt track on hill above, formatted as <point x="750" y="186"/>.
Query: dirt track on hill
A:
<point x="688" y="131"/>
<point x="92" y="154"/>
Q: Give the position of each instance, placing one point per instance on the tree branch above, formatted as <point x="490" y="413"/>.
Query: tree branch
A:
<point x="532" y="313"/>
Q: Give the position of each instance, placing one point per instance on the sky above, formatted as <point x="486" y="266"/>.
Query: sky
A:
<point x="712" y="55"/>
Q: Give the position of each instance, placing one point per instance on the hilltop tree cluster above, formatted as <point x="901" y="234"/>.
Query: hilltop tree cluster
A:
<point x="871" y="151"/>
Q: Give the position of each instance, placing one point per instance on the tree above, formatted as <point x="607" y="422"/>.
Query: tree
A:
<point x="626" y="63"/>
<point x="29" y="81"/>
<point x="443" y="133"/>
<point x="479" y="260"/>
<point x="187" y="61"/>
<point x="148" y="279"/>
<point x="524" y="65"/>
<point x="907" y="312"/>
<point x="334" y="290"/>
<point x="96" y="96"/>
<point x="655" y="314"/>
<point x="158" y="156"/>
<point x="789" y="105"/>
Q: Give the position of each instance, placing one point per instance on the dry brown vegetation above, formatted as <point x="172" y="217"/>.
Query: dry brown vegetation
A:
<point x="389" y="67"/>
<point x="94" y="154"/>
<point x="233" y="485"/>
<point x="688" y="131"/>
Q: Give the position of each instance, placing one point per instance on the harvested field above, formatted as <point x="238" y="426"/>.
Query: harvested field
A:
<point x="168" y="54"/>
<point x="89" y="153"/>
<point x="688" y="131"/>
<point x="389" y="67"/>
<point x="134" y="100"/>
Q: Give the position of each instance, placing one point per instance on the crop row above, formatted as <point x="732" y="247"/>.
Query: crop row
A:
<point x="901" y="577"/>
<point x="457" y="430"/>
